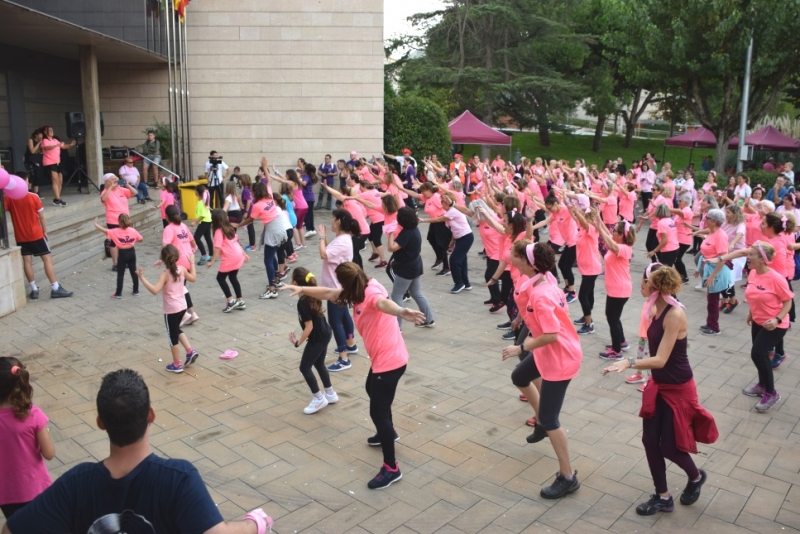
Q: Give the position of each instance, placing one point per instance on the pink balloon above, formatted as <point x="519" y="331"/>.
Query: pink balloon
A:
<point x="4" y="178"/>
<point x="19" y="190"/>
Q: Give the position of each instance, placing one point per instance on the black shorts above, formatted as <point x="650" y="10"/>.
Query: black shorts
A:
<point x="56" y="167"/>
<point x="34" y="248"/>
<point x="376" y="233"/>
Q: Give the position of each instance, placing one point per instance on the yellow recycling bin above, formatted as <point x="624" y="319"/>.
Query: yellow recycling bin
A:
<point x="189" y="198"/>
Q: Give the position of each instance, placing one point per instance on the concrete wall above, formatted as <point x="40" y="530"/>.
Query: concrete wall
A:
<point x="12" y="281"/>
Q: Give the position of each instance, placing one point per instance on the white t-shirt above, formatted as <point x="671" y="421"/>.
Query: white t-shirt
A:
<point x="743" y="191"/>
<point x="234" y="203"/>
<point x="129" y="174"/>
<point x="216" y="178"/>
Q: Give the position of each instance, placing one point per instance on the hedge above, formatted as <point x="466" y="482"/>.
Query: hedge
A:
<point x="418" y="124"/>
<point x="765" y="178"/>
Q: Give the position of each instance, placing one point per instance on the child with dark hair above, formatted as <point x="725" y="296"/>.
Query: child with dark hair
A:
<point x="124" y="238"/>
<point x="202" y="218"/>
<point x="317" y="333"/>
<point x="232" y="257"/>
<point x="24" y="439"/>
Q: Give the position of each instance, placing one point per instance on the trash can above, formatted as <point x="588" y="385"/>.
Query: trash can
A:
<point x="189" y="198"/>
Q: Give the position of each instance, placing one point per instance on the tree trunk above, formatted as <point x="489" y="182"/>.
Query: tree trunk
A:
<point x="544" y="134"/>
<point x="597" y="144"/>
<point x="629" y="125"/>
<point x="721" y="150"/>
<point x="671" y="124"/>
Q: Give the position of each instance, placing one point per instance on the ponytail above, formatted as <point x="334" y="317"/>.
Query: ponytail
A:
<point x="169" y="255"/>
<point x="354" y="283"/>
<point x="15" y="387"/>
<point x="346" y="222"/>
<point x="173" y="214"/>
<point x="124" y="221"/>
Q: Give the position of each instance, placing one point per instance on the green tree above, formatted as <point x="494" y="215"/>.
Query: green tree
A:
<point x="700" y="47"/>
<point x="416" y="123"/>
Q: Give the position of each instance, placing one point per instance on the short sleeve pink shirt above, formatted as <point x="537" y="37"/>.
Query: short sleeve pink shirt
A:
<point x="567" y="227"/>
<point x="588" y="255"/>
<point x="24" y="472"/>
<point x="116" y="204"/>
<point x="667" y="227"/>
<point x="684" y="232"/>
<point x="492" y="239"/>
<point x="265" y="210"/>
<point x="380" y="332"/>
<point x="359" y="213"/>
<point x="433" y="206"/>
<point x="338" y="251"/>
<point x="179" y="236"/>
<point x="50" y="157"/>
<point x="766" y="294"/>
<point x="173" y="294"/>
<point x="457" y="222"/>
<point x="124" y="237"/>
<point x="618" y="272"/>
<point x="610" y="210"/>
<point x="165" y="199"/>
<point x="715" y="244"/>
<point x="230" y="252"/>
<point x="373" y="196"/>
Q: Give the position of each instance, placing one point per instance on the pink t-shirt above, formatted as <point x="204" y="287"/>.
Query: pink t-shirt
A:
<point x="124" y="238"/>
<point x="457" y="222"/>
<point x="299" y="201"/>
<point x="567" y="227"/>
<point x="173" y="294"/>
<point x="667" y="227"/>
<point x="765" y="294"/>
<point x="373" y="196"/>
<point x="521" y="297"/>
<point x="588" y="255"/>
<point x="547" y="314"/>
<point x="732" y="230"/>
<point x="359" y="213"/>
<point x="181" y="238"/>
<point x="626" y="201"/>
<point x="231" y="255"/>
<point x="554" y="234"/>
<point x="492" y="239"/>
<point x="618" y="272"/>
<point x="265" y="210"/>
<point x="714" y="245"/>
<point x="610" y="210"/>
<point x="24" y="472"/>
<point x="116" y="204"/>
<point x="390" y="223"/>
<point x="50" y="157"/>
<point x="752" y="229"/>
<point x="340" y="250"/>
<point x="380" y="331"/>
<point x="779" y="262"/>
<point x="433" y="206"/>
<point x="651" y="209"/>
<point x="165" y="199"/>
<point x="684" y="232"/>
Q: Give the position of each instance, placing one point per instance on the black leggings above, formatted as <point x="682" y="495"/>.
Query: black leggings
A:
<point x="494" y="289"/>
<point x="314" y="357"/>
<point x="173" y="323"/>
<point x="551" y="397"/>
<point x="309" y="220"/>
<point x="658" y="438"/>
<point x="251" y="234"/>
<point x="439" y="238"/>
<point x="287" y="249"/>
<point x="729" y="293"/>
<point x="651" y="242"/>
<point x="358" y="244"/>
<point x="565" y="264"/>
<point x="681" y="268"/>
<point x="586" y="293"/>
<point x="792" y="314"/>
<point x="381" y="388"/>
<point x="614" y="307"/>
<point x="696" y="242"/>
<point x="234" y="277"/>
<point x="126" y="259"/>
<point x="376" y="233"/>
<point x="12" y="508"/>
<point x="507" y="293"/>
<point x="646" y="200"/>
<point x="204" y="231"/>
<point x="668" y="258"/>
<point x="763" y="343"/>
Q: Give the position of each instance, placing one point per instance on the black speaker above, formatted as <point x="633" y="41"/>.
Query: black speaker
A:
<point x="76" y="125"/>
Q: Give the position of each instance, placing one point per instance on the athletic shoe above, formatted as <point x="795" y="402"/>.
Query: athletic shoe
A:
<point x="34" y="294"/>
<point x="777" y="360"/>
<point x="56" y="202"/>
<point x="373" y="257"/>
<point x="113" y="268"/>
<point x="191" y="357"/>
<point x="332" y="398"/>
<point x="580" y="321"/>
<point x="561" y="486"/>
<point x="311" y="233"/>
<point x="406" y="297"/>
<point x="186" y="317"/>
<point x="135" y="293"/>
<point x="292" y="258"/>
<point x="624" y="346"/>
<point x="489" y="302"/>
<point x="340" y="365"/>
<point x="381" y="265"/>
<point x="610" y="355"/>
<point x="571" y="297"/>
<point x="229" y="308"/>
<point x="436" y="265"/>
<point x="375" y="441"/>
<point x="248" y="248"/>
<point x="240" y="305"/>
<point x="636" y="378"/>
<point x="504" y="326"/>
<point x="385" y="478"/>
<point x="115" y="296"/>
<point x="193" y="318"/>
<point x="566" y="291"/>
<point x="457" y="288"/>
<point x="509" y="336"/>
<point x="443" y="272"/>
<point x="496" y="308"/>
<point x="61" y="293"/>
<point x="641" y="388"/>
<point x="692" y="490"/>
<point x="172" y="368"/>
<point x="201" y="261"/>
<point x="283" y="275"/>
<point x="699" y="287"/>
<point x="539" y="433"/>
<point x="427" y="324"/>
<point x="267" y="294"/>
<point x="278" y="283"/>
<point x="351" y="349"/>
<point x="656" y="504"/>
<point x="768" y="401"/>
<point x="298" y="246"/>
<point x="586" y="329"/>
<point x="709" y="332"/>
<point x="756" y="390"/>
<point x="316" y="404"/>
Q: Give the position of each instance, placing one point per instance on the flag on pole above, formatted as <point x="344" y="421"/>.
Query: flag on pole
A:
<point x="180" y="8"/>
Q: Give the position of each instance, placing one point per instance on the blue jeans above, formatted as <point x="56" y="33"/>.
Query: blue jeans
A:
<point x="271" y="263"/>
<point x="458" y="260"/>
<point x="341" y="324"/>
<point x="142" y="191"/>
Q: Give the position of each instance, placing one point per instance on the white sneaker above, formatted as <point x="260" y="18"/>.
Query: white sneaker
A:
<point x="193" y="319"/>
<point x="699" y="287"/>
<point x="332" y="398"/>
<point x="311" y="233"/>
<point x="186" y="318"/>
<point x="315" y="405"/>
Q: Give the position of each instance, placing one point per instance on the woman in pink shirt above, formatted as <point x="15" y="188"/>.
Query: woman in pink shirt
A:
<point x="492" y="243"/>
<point x="51" y="161"/>
<point x="683" y="217"/>
<point x="24" y="439"/>
<point x="232" y="257"/>
<point x="554" y="359"/>
<point x="300" y="203"/>
<point x="178" y="235"/>
<point x="568" y="232"/>
<point x="267" y="211"/>
<point x="462" y="233"/>
<point x="115" y="201"/>
<point x="651" y="242"/>
<point x="734" y="227"/>
<point x="375" y="317"/>
<point x="171" y="284"/>
<point x="667" y="233"/>
<point x="589" y="264"/>
<point x="714" y="246"/>
<point x="370" y="198"/>
<point x="618" y="282"/>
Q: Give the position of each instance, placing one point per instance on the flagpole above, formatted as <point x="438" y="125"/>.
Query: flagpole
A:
<point x="184" y="62"/>
<point x="168" y="14"/>
<point x="178" y="92"/>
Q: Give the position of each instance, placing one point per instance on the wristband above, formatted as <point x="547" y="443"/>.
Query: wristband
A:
<point x="632" y="362"/>
<point x="778" y="319"/>
<point x="261" y="519"/>
<point x="296" y="344"/>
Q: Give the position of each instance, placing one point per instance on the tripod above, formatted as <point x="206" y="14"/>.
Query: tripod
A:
<point x="80" y="172"/>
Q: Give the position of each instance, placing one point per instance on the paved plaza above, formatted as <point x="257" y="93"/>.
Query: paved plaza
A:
<point x="466" y="465"/>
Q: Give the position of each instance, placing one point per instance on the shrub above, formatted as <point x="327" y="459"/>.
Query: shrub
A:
<point x="765" y="178"/>
<point x="418" y="124"/>
<point x="161" y="129"/>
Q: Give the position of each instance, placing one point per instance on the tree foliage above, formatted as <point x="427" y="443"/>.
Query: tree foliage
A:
<point x="418" y="124"/>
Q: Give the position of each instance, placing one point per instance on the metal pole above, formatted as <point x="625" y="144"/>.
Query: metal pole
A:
<point x="146" y="35"/>
<point x="745" y="104"/>
<point x="176" y="153"/>
<point x="169" y="92"/>
<point x="184" y="62"/>
<point x="182" y="95"/>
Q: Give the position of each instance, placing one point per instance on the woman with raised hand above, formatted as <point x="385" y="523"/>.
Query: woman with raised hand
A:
<point x="672" y="419"/>
<point x="734" y="227"/>
<point x="439" y="235"/>
<point x="667" y="234"/>
<point x="568" y="232"/>
<point x="462" y="233"/>
<point x="683" y="215"/>
<point x="375" y="319"/>
<point x="588" y="258"/>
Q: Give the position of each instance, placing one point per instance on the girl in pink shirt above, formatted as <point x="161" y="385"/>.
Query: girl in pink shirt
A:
<point x="589" y="264"/>
<point x="375" y="318"/>
<point x="232" y="257"/>
<point x="300" y="203"/>
<point x="618" y="282"/>
<point x="568" y="231"/>
<point x="667" y="234"/>
<point x="24" y="439"/>
<point x="178" y="235"/>
<point x="170" y="284"/>
<point x="462" y="234"/>
<point x="165" y="199"/>
<point x="554" y="359"/>
<point x="124" y="239"/>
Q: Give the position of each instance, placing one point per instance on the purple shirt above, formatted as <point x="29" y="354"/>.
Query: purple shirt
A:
<point x="308" y="189"/>
<point x="247" y="198"/>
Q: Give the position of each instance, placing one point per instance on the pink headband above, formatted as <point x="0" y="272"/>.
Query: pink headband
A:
<point x="669" y="299"/>
<point x="538" y="276"/>
<point x="529" y="252"/>
<point x="627" y="227"/>
<point x="761" y="251"/>
<point x="14" y="369"/>
<point x="783" y="220"/>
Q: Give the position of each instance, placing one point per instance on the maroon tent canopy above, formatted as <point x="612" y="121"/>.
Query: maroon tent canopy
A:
<point x="468" y="129"/>
<point x="699" y="138"/>
<point x="768" y="138"/>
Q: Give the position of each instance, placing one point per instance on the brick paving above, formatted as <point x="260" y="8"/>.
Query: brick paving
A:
<point x="466" y="465"/>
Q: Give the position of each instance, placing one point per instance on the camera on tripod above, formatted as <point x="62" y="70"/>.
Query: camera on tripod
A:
<point x="214" y="161"/>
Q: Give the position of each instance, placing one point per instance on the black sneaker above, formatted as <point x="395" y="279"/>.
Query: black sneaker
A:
<point x="504" y="326"/>
<point x="561" y="486"/>
<point x="496" y="308"/>
<point x="539" y="433"/>
<point x="229" y="308"/>
<point x="692" y="490"/>
<point x="656" y="504"/>
<point x="385" y="477"/>
<point x="375" y="441"/>
<point x="510" y="335"/>
<point x="443" y="272"/>
<point x="489" y="302"/>
<point x="428" y="324"/>
<point x="436" y="265"/>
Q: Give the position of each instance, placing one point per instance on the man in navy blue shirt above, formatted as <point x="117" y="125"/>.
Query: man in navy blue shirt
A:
<point x="326" y="171"/>
<point x="779" y="191"/>
<point x="354" y="161"/>
<point x="132" y="490"/>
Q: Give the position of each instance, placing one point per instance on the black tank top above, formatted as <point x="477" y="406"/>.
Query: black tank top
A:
<point x="677" y="369"/>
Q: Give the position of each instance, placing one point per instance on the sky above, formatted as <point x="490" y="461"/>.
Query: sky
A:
<point x="395" y="13"/>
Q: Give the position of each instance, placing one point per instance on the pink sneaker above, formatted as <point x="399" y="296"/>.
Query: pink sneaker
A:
<point x="641" y="388"/>
<point x="636" y="378"/>
<point x="610" y="355"/>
